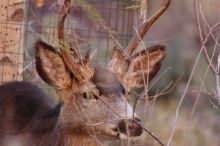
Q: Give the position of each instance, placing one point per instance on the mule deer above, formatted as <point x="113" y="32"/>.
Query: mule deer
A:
<point x="93" y="105"/>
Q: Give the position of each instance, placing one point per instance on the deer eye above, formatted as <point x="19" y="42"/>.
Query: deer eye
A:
<point x="89" y="96"/>
<point x="122" y="89"/>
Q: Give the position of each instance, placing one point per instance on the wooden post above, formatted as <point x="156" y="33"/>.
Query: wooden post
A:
<point x="11" y="39"/>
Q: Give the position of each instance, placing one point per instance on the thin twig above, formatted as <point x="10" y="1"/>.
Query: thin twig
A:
<point x="159" y="77"/>
<point x="202" y="39"/>
<point x="212" y="68"/>
<point x="182" y="97"/>
<point x="151" y="134"/>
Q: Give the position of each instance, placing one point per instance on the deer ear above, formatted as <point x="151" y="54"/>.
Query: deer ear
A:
<point x="50" y="66"/>
<point x="144" y="66"/>
<point x="119" y="63"/>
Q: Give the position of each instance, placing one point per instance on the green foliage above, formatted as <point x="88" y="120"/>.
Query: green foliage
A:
<point x="136" y="5"/>
<point x="94" y="16"/>
<point x="64" y="45"/>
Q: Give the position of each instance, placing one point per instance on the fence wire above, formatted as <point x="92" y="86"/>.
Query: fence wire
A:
<point x="94" y="23"/>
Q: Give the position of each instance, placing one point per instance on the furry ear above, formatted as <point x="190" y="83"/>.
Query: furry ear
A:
<point x="144" y="66"/>
<point x="50" y="66"/>
<point x="119" y="63"/>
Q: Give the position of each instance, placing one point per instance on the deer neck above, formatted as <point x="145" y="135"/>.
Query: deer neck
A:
<point x="70" y="136"/>
<point x="69" y="128"/>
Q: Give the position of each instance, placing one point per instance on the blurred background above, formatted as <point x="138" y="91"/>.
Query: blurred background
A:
<point x="185" y="84"/>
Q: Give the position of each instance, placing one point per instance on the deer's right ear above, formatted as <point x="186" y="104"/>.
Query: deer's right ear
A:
<point x="50" y="66"/>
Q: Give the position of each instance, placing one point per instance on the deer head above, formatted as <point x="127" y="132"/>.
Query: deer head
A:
<point x="95" y="99"/>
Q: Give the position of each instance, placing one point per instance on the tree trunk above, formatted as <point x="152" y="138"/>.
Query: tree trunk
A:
<point x="11" y="39"/>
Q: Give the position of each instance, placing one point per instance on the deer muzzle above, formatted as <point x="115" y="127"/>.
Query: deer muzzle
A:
<point x="131" y="127"/>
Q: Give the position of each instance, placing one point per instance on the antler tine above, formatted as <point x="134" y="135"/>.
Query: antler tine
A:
<point x="81" y="71"/>
<point x="145" y="27"/>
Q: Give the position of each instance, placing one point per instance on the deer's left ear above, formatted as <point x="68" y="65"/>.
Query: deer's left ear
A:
<point x="50" y="66"/>
<point x="144" y="66"/>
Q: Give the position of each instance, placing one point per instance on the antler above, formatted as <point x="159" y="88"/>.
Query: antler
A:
<point x="80" y="68"/>
<point x="145" y="27"/>
<point x="120" y="60"/>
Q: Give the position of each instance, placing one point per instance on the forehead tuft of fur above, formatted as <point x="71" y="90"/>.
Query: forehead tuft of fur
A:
<point x="107" y="82"/>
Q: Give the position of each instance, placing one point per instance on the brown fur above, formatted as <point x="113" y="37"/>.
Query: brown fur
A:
<point x="23" y="108"/>
<point x="29" y="117"/>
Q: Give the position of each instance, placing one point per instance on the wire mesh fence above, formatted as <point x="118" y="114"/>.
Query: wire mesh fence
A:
<point x="99" y="25"/>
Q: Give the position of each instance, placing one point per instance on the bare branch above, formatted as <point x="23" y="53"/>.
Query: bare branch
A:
<point x="151" y="134"/>
<point x="202" y="39"/>
<point x="208" y="60"/>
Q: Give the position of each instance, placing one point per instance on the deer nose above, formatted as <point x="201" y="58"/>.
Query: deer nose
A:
<point x="131" y="127"/>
